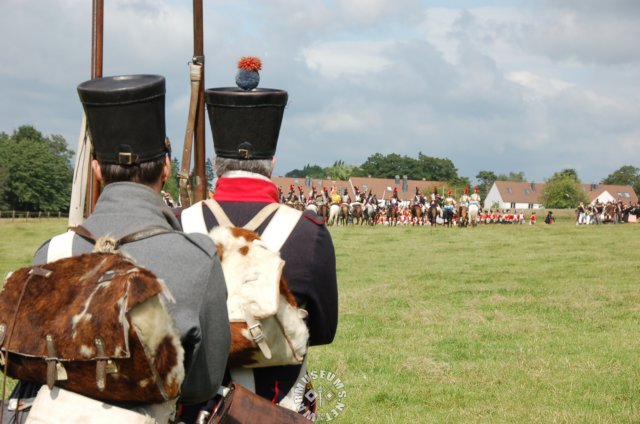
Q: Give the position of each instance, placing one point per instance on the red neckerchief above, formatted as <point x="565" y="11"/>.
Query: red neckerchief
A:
<point x="245" y="189"/>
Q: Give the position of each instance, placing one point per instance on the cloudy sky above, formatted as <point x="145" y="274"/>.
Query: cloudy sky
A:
<point x="531" y="86"/>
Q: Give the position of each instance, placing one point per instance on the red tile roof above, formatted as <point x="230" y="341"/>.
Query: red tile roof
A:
<point x="519" y="192"/>
<point x="524" y="192"/>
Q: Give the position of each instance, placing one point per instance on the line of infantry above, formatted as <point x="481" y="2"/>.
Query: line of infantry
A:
<point x="126" y="120"/>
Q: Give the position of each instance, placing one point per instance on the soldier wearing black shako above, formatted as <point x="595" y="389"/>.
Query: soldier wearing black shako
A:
<point x="126" y="120"/>
<point x="245" y="125"/>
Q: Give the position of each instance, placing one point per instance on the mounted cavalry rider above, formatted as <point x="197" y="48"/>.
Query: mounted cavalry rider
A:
<point x="419" y="198"/>
<point x="126" y="120"/>
<point x="291" y="196"/>
<point x="345" y="197"/>
<point x="301" y="197"/>
<point x="312" y="195"/>
<point x="394" y="201"/>
<point x="246" y="125"/>
<point x="436" y="199"/>
<point x="358" y="198"/>
<point x="335" y="197"/>
<point x="474" y="199"/>
<point x="465" y="199"/>
<point x="449" y="203"/>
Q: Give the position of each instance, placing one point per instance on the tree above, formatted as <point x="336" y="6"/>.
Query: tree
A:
<point x="171" y="185"/>
<point x="626" y="175"/>
<point x="210" y="175"/>
<point x="512" y="176"/>
<point x="379" y="166"/>
<point x="425" y="167"/>
<point x="4" y="174"/>
<point x="485" y="181"/>
<point x="313" y="171"/>
<point x="563" y="190"/>
<point x="39" y="170"/>
<point x="339" y="171"/>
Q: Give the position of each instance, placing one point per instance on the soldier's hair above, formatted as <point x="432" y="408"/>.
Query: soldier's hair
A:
<point x="258" y="166"/>
<point x="146" y="173"/>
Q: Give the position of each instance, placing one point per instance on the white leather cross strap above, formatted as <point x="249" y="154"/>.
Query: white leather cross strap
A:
<point x="274" y="236"/>
<point x="60" y="246"/>
<point x="193" y="219"/>
<point x="280" y="227"/>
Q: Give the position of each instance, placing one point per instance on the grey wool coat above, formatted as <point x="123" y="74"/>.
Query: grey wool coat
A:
<point x="190" y="268"/>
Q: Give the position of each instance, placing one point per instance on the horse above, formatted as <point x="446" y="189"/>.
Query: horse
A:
<point x="357" y="213"/>
<point x="463" y="218"/>
<point x="369" y="214"/>
<point x="473" y="213"/>
<point x="343" y="214"/>
<point x="334" y="210"/>
<point x="417" y="214"/>
<point x="447" y="215"/>
<point x="392" y="214"/>
<point x="323" y="211"/>
<point x="432" y="213"/>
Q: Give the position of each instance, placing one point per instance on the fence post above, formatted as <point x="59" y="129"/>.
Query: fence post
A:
<point x="13" y="215"/>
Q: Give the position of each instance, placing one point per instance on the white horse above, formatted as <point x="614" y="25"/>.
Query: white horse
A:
<point x="369" y="211"/>
<point x="334" y="210"/>
<point x="473" y="213"/>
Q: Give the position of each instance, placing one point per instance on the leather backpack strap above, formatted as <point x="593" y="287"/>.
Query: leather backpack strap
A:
<point x="218" y="213"/>
<point x="129" y="238"/>
<point x="253" y="224"/>
<point x="260" y="217"/>
<point x="144" y="234"/>
<point x="280" y="227"/>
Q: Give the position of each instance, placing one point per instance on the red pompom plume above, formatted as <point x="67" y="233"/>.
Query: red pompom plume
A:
<point x="250" y="63"/>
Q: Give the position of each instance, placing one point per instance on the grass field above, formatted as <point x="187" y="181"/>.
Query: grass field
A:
<point x="494" y="324"/>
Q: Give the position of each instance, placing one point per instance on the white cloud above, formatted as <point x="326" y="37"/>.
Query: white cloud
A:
<point x="494" y="88"/>
<point x="353" y="58"/>
<point x="538" y="86"/>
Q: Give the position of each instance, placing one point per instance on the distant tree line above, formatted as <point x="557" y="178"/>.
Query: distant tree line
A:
<point x="35" y="171"/>
<point x="36" y="174"/>
<point x="387" y="166"/>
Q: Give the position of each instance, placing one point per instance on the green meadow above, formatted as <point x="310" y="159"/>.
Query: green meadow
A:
<point x="494" y="324"/>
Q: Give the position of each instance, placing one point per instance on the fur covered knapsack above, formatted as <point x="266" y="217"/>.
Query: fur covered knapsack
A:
<point x="94" y="324"/>
<point x="267" y="325"/>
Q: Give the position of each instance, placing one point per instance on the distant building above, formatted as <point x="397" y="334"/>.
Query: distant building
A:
<point x="610" y="193"/>
<point x="527" y="195"/>
<point x="514" y="195"/>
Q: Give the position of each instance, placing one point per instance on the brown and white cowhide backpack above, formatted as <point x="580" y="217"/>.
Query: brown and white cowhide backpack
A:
<point x="267" y="327"/>
<point x="93" y="324"/>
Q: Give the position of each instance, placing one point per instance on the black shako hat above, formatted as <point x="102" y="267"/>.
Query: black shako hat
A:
<point x="245" y="124"/>
<point x="125" y="117"/>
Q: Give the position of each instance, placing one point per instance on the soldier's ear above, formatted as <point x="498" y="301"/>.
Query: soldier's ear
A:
<point x="97" y="172"/>
<point x="166" y="169"/>
<point x="273" y="164"/>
